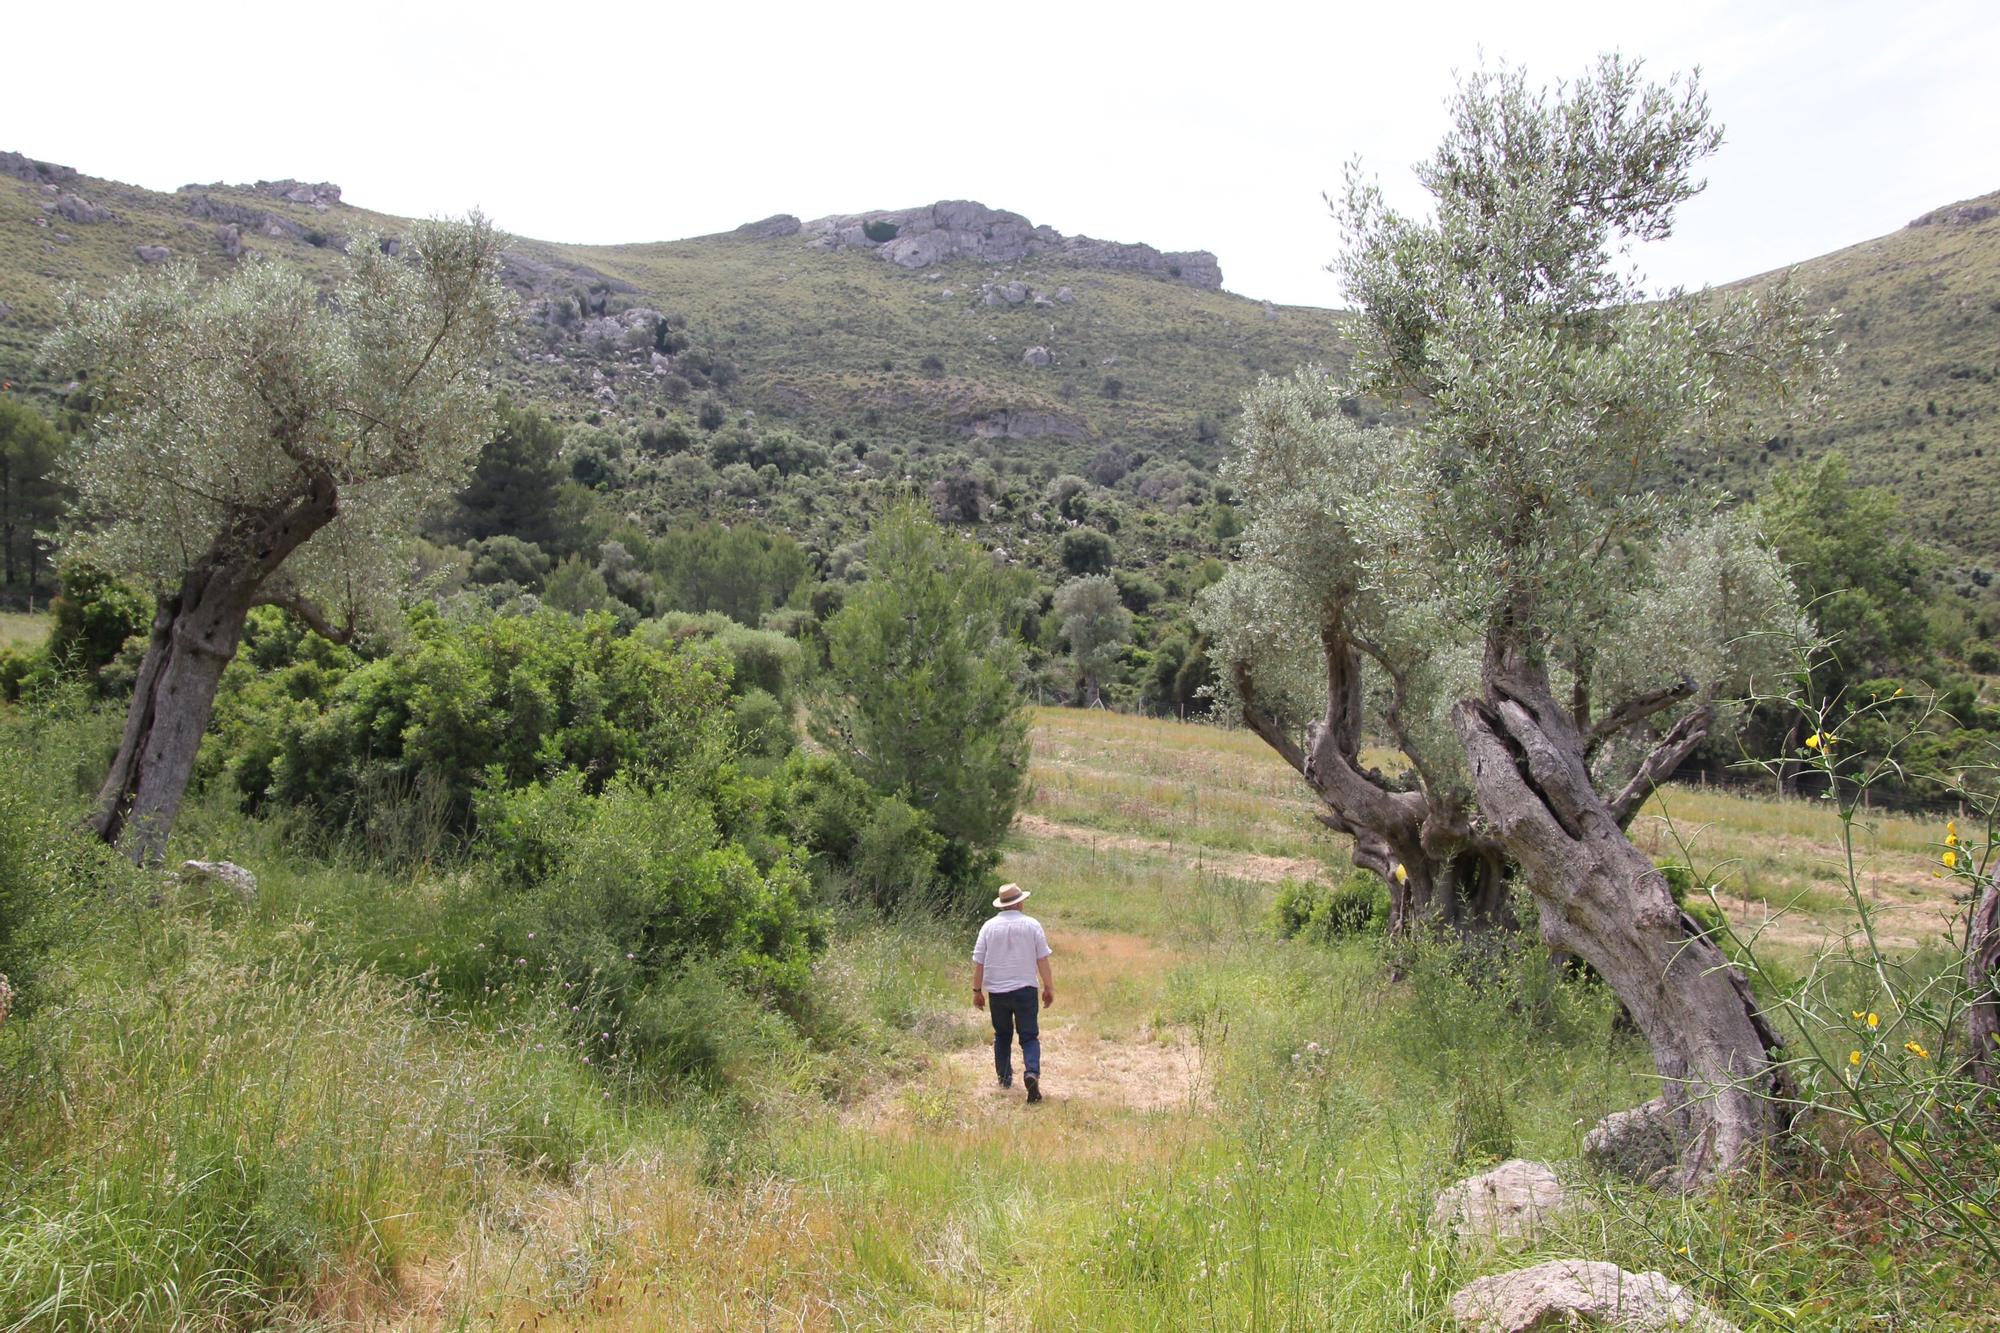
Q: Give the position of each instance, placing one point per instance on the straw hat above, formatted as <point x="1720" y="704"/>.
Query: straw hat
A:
<point x="1011" y="895"/>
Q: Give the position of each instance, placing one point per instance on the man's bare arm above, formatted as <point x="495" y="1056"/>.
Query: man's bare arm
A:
<point x="979" y="985"/>
<point x="1048" y="982"/>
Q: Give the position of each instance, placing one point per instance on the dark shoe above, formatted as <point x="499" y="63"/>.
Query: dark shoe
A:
<point x="1034" y="1083"/>
<point x="1006" y="1080"/>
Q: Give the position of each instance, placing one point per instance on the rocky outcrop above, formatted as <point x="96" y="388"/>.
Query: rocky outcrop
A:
<point x="152" y="254"/>
<point x="28" y="169"/>
<point x="1961" y="215"/>
<point x="961" y="229"/>
<point x="1037" y="356"/>
<point x="321" y="196"/>
<point x="230" y="237"/>
<point x="1579" y="1293"/>
<point x="1515" y="1201"/>
<point x="773" y="228"/>
<point x="75" y="208"/>
<point x="257" y="221"/>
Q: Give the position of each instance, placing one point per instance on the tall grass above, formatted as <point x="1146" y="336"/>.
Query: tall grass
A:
<point x="285" y="1115"/>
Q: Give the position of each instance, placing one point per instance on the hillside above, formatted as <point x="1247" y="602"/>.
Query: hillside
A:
<point x="1917" y="405"/>
<point x="977" y="325"/>
<point x="954" y="322"/>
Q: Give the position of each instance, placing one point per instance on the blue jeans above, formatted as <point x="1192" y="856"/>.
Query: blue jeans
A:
<point x="1014" y="1010"/>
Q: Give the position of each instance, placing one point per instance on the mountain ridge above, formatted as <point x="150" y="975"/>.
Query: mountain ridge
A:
<point x="963" y="325"/>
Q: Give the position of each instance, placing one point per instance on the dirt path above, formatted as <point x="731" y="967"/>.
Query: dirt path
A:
<point x="1230" y="865"/>
<point x="1081" y="1074"/>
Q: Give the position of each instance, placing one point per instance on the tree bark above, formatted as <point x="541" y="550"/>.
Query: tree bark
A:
<point x="195" y="634"/>
<point x="1601" y="898"/>
<point x="1982" y="981"/>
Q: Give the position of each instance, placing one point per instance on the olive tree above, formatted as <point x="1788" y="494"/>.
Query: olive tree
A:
<point x="1324" y="640"/>
<point x="1551" y="629"/>
<point x="1097" y="626"/>
<point x="262" y="441"/>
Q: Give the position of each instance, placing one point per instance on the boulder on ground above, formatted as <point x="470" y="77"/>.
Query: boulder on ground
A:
<point x="1037" y="356"/>
<point x="76" y="208"/>
<point x="152" y="254"/>
<point x="768" y="229"/>
<point x="1582" y="1293"/>
<point x="226" y="873"/>
<point x="1638" y="1144"/>
<point x="230" y="237"/>
<point x="1516" y="1200"/>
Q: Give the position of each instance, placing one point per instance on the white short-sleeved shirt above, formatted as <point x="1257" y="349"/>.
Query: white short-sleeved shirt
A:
<point x="1010" y="945"/>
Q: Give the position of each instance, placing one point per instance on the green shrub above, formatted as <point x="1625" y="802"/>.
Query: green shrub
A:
<point x="92" y="618"/>
<point x="879" y="846"/>
<point x="608" y="895"/>
<point x="1315" y="911"/>
<point x="491" y="704"/>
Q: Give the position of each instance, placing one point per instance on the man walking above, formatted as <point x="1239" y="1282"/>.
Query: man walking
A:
<point x="1010" y="953"/>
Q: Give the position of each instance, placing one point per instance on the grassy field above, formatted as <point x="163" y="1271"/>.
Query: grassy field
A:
<point x="22" y="630"/>
<point x="1240" y="1132"/>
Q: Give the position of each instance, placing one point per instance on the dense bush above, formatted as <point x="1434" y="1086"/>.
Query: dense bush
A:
<point x="610" y="891"/>
<point x="879" y="847"/>
<point x="1321" y="913"/>
<point x="494" y="703"/>
<point x="93" y="616"/>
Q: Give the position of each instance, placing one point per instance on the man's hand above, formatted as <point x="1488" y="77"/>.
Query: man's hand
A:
<point x="979" y="999"/>
<point x="1048" y="997"/>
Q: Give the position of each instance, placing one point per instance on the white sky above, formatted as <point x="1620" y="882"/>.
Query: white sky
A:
<point x="1213" y="126"/>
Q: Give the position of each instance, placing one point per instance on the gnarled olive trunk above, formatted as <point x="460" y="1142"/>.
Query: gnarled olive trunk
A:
<point x="1602" y="899"/>
<point x="1439" y="871"/>
<point x="195" y="634"/>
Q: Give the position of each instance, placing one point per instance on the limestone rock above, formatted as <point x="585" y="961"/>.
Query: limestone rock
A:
<point x="916" y="238"/>
<point x="152" y="254"/>
<point x="1581" y="1293"/>
<point x="46" y="174"/>
<point x="1064" y="296"/>
<point x="1037" y="356"/>
<point x="772" y="228"/>
<point x="1514" y="1201"/>
<point x="1959" y="215"/>
<point x="75" y="208"/>
<point x="230" y="237"/>
<point x="254" y="220"/>
<point x="226" y="873"/>
<point x="1638" y="1144"/>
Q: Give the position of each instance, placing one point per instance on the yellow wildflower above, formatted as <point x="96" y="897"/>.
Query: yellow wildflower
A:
<point x="1950" y="859"/>
<point x="1951" y="828"/>
<point x="1854" y="1057"/>
<point x="1914" y="1049"/>
<point x="1402" y="875"/>
<point x="1899" y="692"/>
<point x="1874" y="1021"/>
<point x="1813" y="741"/>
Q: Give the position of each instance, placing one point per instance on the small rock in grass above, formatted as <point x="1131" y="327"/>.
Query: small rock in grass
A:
<point x="1582" y="1293"/>
<point x="227" y="873"/>
<point x="1514" y="1201"/>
